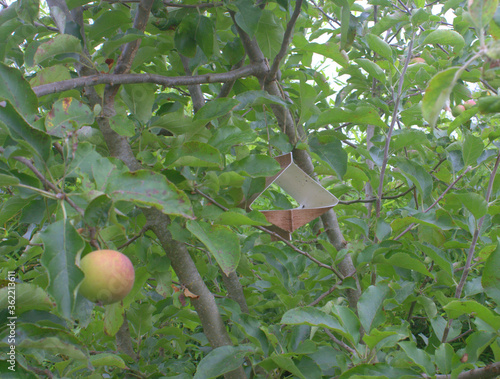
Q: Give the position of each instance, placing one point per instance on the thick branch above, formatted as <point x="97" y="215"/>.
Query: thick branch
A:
<point x="167" y="81"/>
<point x="302" y="159"/>
<point x="488" y="372"/>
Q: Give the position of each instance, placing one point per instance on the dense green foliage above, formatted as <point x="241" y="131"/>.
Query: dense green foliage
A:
<point x="369" y="89"/>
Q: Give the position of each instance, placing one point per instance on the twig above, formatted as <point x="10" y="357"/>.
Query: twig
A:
<point x="287" y="37"/>
<point x="167" y="81"/>
<point x="374" y="199"/>
<point x="435" y="203"/>
<point x="328" y="17"/>
<point x="391" y="128"/>
<point x="470" y="255"/>
<point x="472" y="248"/>
<point x="278" y="237"/>
<point x="46" y="182"/>
<point x="325" y="294"/>
<point x="143" y="230"/>
<point x="460" y="336"/>
<point x="339" y="342"/>
<point x="198" y="6"/>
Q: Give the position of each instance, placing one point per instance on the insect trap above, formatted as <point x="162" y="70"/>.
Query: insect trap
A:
<point x="312" y="199"/>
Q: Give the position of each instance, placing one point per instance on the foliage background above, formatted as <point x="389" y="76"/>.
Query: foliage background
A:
<point x="144" y="126"/>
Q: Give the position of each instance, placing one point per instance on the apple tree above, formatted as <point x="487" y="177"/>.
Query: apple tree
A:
<point x="149" y="126"/>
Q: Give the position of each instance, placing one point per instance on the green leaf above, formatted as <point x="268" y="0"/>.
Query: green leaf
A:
<point x="330" y="150"/>
<point x="221" y="241"/>
<point x="205" y="34"/>
<point x="67" y="115"/>
<point x="149" y="189"/>
<point x="457" y="308"/>
<point x="53" y="345"/>
<point x="269" y="34"/>
<point x="474" y="202"/>
<point x="370" y="306"/>
<point x="329" y="49"/>
<point x="418" y="356"/>
<point x="8" y="180"/>
<point x="437" y="93"/>
<point x="252" y="99"/>
<point x="379" y="46"/>
<point x="139" y="99"/>
<point x="113" y="318"/>
<point x="255" y="166"/>
<point x="49" y="75"/>
<point x="313" y="317"/>
<point x="491" y="275"/>
<point x="221" y="360"/>
<point x="123" y="125"/>
<point x="12" y="207"/>
<point x="371" y="68"/>
<point x="60" y="44"/>
<point x="444" y="356"/>
<point x="248" y="16"/>
<point x="14" y="88"/>
<point x="106" y="25"/>
<point x="97" y="212"/>
<point x="23" y="132"/>
<point x="404" y="260"/>
<point x="482" y="11"/>
<point x="415" y="174"/>
<point x="446" y="37"/>
<point x="472" y="149"/>
<point x="360" y="116"/>
<point x="107" y="359"/>
<point x="438" y="256"/>
<point x="194" y="154"/>
<point x="184" y="38"/>
<point x="237" y="218"/>
<point x="215" y="108"/>
<point x="62" y="244"/>
<point x="27" y="10"/>
<point x="286" y="363"/>
<point x="376" y="337"/>
<point x="419" y="16"/>
<point x="383" y="229"/>
<point x="118" y="40"/>
<point x="28" y="297"/>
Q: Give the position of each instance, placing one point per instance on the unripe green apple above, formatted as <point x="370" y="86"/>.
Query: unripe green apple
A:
<point x="457" y="110"/>
<point x="469" y="104"/>
<point x="417" y="60"/>
<point x="109" y="276"/>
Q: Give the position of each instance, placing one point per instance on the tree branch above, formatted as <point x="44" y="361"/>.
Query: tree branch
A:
<point x="46" y="182"/>
<point x="488" y="372"/>
<point x="302" y="158"/>
<point x="410" y="227"/>
<point x="339" y="342"/>
<point x="391" y="128"/>
<point x="472" y="248"/>
<point x="167" y="81"/>
<point x="287" y="37"/>
<point x="280" y="238"/>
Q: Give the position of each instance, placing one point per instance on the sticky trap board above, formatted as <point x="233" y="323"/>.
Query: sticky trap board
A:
<point x="313" y="199"/>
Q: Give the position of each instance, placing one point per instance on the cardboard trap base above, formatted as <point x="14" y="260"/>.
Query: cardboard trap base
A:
<point x="313" y="199"/>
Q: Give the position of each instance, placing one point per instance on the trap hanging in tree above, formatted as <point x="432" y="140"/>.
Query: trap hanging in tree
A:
<point x="313" y="199"/>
